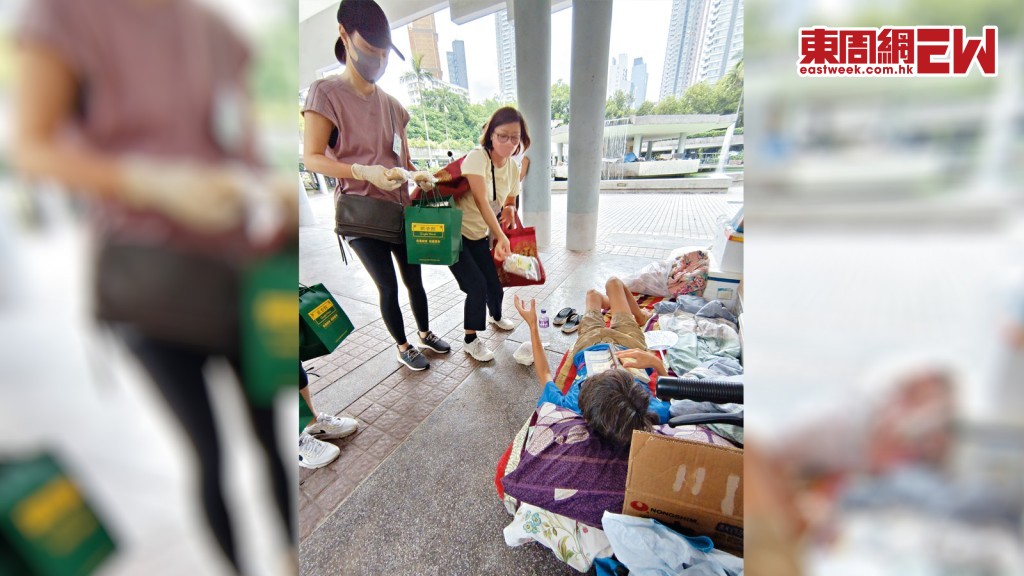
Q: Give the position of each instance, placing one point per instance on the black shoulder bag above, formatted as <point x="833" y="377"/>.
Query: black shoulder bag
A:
<point x="365" y="217"/>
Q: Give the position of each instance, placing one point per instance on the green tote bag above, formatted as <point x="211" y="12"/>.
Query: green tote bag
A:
<point x="47" y="527"/>
<point x="433" y="231"/>
<point x="269" y="326"/>
<point x="323" y="325"/>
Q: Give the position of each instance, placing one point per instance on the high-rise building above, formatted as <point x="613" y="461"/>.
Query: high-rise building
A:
<point x="505" y="37"/>
<point x="423" y="42"/>
<point x="638" y="82"/>
<point x="683" y="47"/>
<point x="618" y="75"/>
<point x="722" y="45"/>
<point x="457" y="64"/>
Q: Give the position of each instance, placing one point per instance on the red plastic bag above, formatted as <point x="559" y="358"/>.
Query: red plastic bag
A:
<point x="523" y="241"/>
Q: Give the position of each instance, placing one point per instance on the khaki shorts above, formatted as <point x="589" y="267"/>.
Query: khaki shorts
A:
<point x="624" y="331"/>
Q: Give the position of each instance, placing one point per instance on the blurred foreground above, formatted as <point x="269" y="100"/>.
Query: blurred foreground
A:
<point x="886" y="305"/>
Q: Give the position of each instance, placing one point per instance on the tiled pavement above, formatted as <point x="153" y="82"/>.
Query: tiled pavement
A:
<point x="363" y="379"/>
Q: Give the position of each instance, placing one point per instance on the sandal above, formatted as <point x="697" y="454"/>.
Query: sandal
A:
<point x="572" y="323"/>
<point x="562" y="316"/>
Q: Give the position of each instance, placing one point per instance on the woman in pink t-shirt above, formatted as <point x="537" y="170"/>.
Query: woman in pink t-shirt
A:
<point x="139" y="108"/>
<point x="355" y="132"/>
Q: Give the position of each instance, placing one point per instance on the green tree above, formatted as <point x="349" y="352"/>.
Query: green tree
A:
<point x="722" y="97"/>
<point x="669" y="105"/>
<point x="560" y="102"/>
<point x="617" y="106"/>
<point x="418" y="76"/>
<point x="701" y="99"/>
<point x="646" y="109"/>
<point x="443" y="112"/>
<point x="730" y="89"/>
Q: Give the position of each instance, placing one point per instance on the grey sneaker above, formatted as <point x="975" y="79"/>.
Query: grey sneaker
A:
<point x="434" y="342"/>
<point x="413" y="359"/>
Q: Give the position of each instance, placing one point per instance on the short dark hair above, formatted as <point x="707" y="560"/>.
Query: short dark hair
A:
<point x="502" y="116"/>
<point x="614" y="404"/>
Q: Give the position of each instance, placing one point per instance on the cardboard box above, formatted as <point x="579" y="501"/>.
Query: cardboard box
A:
<point x="693" y="487"/>
<point x="727" y="250"/>
<point x="722" y="285"/>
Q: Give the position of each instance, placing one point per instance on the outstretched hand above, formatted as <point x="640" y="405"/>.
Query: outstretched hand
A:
<point x="530" y="315"/>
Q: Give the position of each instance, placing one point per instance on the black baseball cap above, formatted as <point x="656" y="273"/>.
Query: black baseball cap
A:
<point x="367" y="18"/>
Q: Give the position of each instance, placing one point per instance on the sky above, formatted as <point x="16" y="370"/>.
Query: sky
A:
<point x="639" y="29"/>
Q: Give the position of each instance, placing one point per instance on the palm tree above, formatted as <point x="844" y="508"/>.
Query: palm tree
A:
<point x="733" y="80"/>
<point x="419" y="77"/>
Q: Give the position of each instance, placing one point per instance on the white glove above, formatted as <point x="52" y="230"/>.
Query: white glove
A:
<point x="424" y="179"/>
<point x="381" y="177"/>
<point x="208" y="199"/>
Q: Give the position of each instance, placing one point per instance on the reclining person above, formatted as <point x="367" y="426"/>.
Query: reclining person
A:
<point x="614" y="402"/>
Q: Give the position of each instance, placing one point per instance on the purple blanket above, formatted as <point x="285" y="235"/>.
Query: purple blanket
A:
<point x="567" y="470"/>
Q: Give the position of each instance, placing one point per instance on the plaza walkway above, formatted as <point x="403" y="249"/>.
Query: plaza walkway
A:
<point x="413" y="492"/>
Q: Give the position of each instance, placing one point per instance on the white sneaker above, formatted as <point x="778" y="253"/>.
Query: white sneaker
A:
<point x="524" y="354"/>
<point x="329" y="427"/>
<point x="315" y="453"/>
<point x="504" y="323"/>
<point x="478" y="350"/>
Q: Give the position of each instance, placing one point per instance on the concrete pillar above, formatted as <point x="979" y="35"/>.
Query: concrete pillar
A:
<point x="533" y="78"/>
<point x="306" y="216"/>
<point x="681" y="144"/>
<point x="650" y="149"/>
<point x="638" y="143"/>
<point x="561" y="152"/>
<point x="591" y="35"/>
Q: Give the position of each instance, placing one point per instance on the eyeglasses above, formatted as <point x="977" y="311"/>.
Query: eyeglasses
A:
<point x="505" y="138"/>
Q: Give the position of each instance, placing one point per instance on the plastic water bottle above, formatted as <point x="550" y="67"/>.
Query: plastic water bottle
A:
<point x="544" y="324"/>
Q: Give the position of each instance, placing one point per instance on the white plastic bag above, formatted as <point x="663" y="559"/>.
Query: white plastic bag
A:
<point x="525" y="266"/>
<point x="651" y="279"/>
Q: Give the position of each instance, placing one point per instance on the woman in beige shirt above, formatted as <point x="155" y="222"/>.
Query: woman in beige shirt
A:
<point x="494" y="184"/>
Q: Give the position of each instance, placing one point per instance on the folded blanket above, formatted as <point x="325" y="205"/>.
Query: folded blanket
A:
<point x="574" y="543"/>
<point x="700" y="339"/>
<point x="567" y="470"/>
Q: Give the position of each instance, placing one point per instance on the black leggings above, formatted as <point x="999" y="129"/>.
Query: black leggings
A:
<point x="478" y="278"/>
<point x="376" y="258"/>
<point x="178" y="374"/>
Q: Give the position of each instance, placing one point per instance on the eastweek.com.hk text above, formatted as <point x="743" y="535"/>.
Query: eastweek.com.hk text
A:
<point x="890" y="51"/>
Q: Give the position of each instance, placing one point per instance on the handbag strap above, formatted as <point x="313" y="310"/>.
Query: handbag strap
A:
<point x="394" y="130"/>
<point x="494" y="182"/>
<point x="344" y="256"/>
